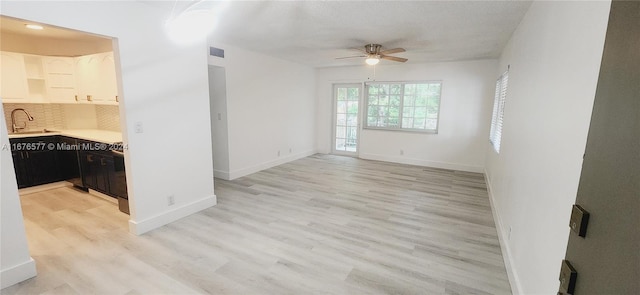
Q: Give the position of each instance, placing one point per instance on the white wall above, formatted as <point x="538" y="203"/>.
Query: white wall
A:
<point x="465" y="114"/>
<point x="15" y="263"/>
<point x="271" y="108"/>
<point x="555" y="57"/>
<point x="165" y="87"/>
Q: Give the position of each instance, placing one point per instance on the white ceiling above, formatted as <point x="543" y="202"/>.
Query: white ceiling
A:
<point x="316" y="32"/>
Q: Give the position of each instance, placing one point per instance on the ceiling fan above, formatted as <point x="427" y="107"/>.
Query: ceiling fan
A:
<point x="373" y="54"/>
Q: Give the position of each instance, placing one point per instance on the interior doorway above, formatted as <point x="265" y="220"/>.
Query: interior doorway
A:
<point x="346" y="121"/>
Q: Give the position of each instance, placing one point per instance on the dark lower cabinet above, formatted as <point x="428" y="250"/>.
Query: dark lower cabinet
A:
<point x="68" y="161"/>
<point x="103" y="171"/>
<point x="35" y="160"/>
<point x="47" y="159"/>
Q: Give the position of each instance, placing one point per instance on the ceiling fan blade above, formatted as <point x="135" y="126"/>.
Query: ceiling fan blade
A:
<point x="393" y="58"/>
<point x="351" y="56"/>
<point x="391" y="51"/>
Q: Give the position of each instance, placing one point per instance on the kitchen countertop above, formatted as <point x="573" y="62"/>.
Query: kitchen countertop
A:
<point x="103" y="136"/>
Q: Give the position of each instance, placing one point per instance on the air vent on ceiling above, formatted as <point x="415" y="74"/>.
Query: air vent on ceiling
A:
<point x="216" y="52"/>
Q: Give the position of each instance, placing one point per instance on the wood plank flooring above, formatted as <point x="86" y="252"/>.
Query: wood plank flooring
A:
<point x="320" y="225"/>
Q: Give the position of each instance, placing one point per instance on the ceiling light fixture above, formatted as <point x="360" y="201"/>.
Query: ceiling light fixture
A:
<point x="34" y="27"/>
<point x="372" y="60"/>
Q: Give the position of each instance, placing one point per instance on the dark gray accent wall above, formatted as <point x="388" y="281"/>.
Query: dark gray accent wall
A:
<point x="608" y="258"/>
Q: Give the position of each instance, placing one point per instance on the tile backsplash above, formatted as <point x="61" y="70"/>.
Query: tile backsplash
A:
<point x="64" y="116"/>
<point x="108" y="117"/>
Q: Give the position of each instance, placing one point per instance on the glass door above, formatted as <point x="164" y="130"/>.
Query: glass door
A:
<point x="346" y="122"/>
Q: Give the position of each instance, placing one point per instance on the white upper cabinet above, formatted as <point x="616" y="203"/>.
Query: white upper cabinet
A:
<point x="28" y="78"/>
<point x="13" y="81"/>
<point x="60" y="75"/>
<point x="96" y="78"/>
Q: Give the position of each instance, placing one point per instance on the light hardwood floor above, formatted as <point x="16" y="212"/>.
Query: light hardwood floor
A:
<point x="320" y="225"/>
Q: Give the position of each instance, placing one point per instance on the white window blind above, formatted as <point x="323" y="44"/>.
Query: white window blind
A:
<point x="495" y="135"/>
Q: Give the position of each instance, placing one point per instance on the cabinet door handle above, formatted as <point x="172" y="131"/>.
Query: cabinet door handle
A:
<point x="76" y="98"/>
<point x="89" y="98"/>
<point x="117" y="99"/>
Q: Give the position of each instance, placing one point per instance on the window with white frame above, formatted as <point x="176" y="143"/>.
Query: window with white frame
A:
<point x="495" y="135"/>
<point x="409" y="106"/>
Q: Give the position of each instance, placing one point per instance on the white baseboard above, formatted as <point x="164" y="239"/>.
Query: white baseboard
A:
<point x="43" y="187"/>
<point x="266" y="165"/>
<point x="143" y="226"/>
<point x="512" y="274"/>
<point x="17" y="273"/>
<point x="418" y="162"/>
<point x="221" y="174"/>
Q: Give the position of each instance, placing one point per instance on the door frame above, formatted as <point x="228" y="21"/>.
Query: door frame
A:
<point x="334" y="98"/>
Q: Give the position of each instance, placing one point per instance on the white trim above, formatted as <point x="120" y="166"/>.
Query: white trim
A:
<point x="43" y="187"/>
<point x="226" y="175"/>
<point x="512" y="274"/>
<point x="418" y="162"/>
<point x="18" y="273"/>
<point x="268" y="164"/>
<point x="143" y="226"/>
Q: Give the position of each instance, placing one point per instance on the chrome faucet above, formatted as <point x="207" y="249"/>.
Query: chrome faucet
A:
<point x="13" y="119"/>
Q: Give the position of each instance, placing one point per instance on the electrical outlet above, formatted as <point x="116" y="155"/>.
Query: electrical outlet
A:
<point x="171" y="200"/>
<point x="290" y="150"/>
<point x="219" y="116"/>
<point x="278" y="153"/>
<point x="401" y="152"/>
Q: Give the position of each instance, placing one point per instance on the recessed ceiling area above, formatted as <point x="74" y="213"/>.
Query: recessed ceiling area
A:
<point x="316" y="32"/>
<point x="51" y="40"/>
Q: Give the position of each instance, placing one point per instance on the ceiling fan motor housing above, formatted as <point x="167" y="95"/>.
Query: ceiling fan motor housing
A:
<point x="372" y="48"/>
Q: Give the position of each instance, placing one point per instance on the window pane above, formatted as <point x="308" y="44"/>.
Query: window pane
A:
<point x="373" y="99"/>
<point x="407" y="112"/>
<point x="340" y="131"/>
<point x="352" y="107"/>
<point x="372" y="89"/>
<point x="341" y="119"/>
<point x="394" y="100"/>
<point x="383" y="88"/>
<point x="409" y="100"/>
<point x="431" y="123"/>
<point x="395" y="89"/>
<point x="383" y="112"/>
<point x="342" y="107"/>
<point x="418" y="123"/>
<point x="352" y="120"/>
<point x="420" y="105"/>
<point x="342" y="93"/>
<point x="353" y="94"/>
<point x="394" y="112"/>
<point x="373" y="111"/>
<point x="420" y="112"/>
<point x="383" y="100"/>
<point x="409" y="89"/>
<point x="340" y="144"/>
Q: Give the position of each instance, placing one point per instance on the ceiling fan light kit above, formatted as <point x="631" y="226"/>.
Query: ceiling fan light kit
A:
<point x="372" y="60"/>
<point x="373" y="54"/>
